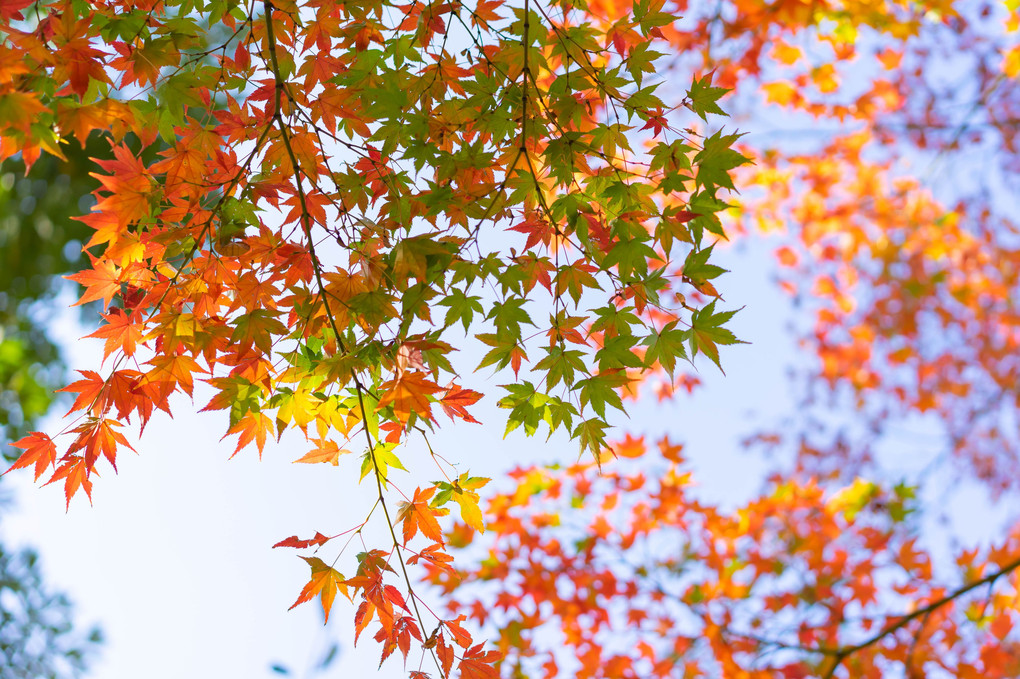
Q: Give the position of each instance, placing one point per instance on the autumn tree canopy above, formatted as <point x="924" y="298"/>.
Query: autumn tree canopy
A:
<point x="313" y="207"/>
<point x="885" y="165"/>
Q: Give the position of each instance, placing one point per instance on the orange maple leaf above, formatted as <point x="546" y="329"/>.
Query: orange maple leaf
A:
<point x="459" y="634"/>
<point x="435" y="556"/>
<point x="408" y="393"/>
<point x="89" y="390"/>
<point x="251" y="427"/>
<point x="630" y="446"/>
<point x="485" y="12"/>
<point x="102" y="281"/>
<point x="122" y="331"/>
<point x="39" y="450"/>
<point x="122" y="391"/>
<point x="479" y="664"/>
<point x="325" y="581"/>
<point x="171" y="371"/>
<point x="417" y="515"/>
<point x="398" y="636"/>
<point x="75" y="474"/>
<point x="446" y="654"/>
<point x="325" y="451"/>
<point x="98" y="437"/>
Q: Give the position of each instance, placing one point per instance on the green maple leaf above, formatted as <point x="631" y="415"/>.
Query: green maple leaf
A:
<point x="630" y="257"/>
<point x="716" y="159"/>
<point x="666" y="347"/>
<point x="697" y="268"/>
<point x="384" y="458"/>
<point x="617" y="352"/>
<point x="641" y="60"/>
<point x="707" y="332"/>
<point x="461" y="308"/>
<point x="561" y="364"/>
<point x="526" y="405"/>
<point x="601" y="390"/>
<point x="508" y="316"/>
<point x="703" y="97"/>
<point x="592" y="436"/>
<point x="614" y="320"/>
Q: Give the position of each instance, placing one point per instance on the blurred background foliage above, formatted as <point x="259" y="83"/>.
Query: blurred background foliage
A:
<point x="39" y="243"/>
<point x="38" y="639"/>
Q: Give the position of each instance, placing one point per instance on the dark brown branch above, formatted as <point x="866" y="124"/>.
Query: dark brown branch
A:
<point x="841" y="654"/>
<point x="838" y="654"/>
<point x="306" y="221"/>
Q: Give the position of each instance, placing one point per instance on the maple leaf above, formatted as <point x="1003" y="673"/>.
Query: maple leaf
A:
<point x="506" y="352"/>
<point x="11" y="9"/>
<point x="417" y="515"/>
<point x="82" y="119"/>
<point x="656" y="122"/>
<point x="537" y="229"/>
<point x="702" y="97"/>
<point x="325" y="583"/>
<point x="460" y="635"/>
<point x="706" y="332"/>
<point x="98" y="437"/>
<point x="171" y="371"/>
<point x="445" y="653"/>
<point x="479" y="664"/>
<point x="299" y="406"/>
<point x="89" y="390"/>
<point x="258" y="327"/>
<point x="363" y="616"/>
<point x="326" y="451"/>
<point x="456" y="400"/>
<point x="253" y="426"/>
<point x="297" y="543"/>
<point x="435" y="556"/>
<point x="716" y="159"/>
<point x="75" y="474"/>
<point x="39" y="450"/>
<point x="485" y="13"/>
<point x="379" y="459"/>
<point x="142" y="63"/>
<point x="398" y="636"/>
<point x="666" y="346"/>
<point x="102" y="281"/>
<point x="462" y="491"/>
<point x="123" y="391"/>
<point x="409" y="393"/>
<point x="122" y="332"/>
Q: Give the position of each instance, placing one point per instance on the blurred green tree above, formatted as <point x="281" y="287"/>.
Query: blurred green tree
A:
<point x="37" y="637"/>
<point x="39" y="242"/>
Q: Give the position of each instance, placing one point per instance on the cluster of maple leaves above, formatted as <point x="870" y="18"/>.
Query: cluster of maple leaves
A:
<point x="304" y="201"/>
<point x="887" y="176"/>
<point x="306" y="204"/>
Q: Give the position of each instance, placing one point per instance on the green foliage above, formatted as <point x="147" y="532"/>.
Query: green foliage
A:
<point x="39" y="242"/>
<point x="37" y="638"/>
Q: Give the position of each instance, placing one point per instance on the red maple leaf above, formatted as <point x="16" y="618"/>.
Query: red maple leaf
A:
<point x="297" y="543"/>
